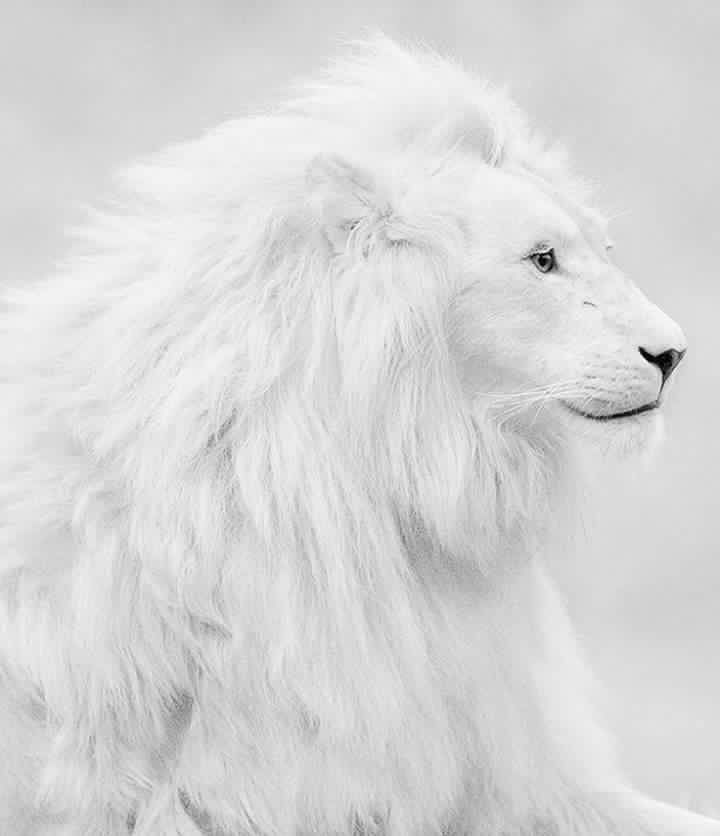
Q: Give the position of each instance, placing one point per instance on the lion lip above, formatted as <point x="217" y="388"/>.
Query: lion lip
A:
<point x="613" y="416"/>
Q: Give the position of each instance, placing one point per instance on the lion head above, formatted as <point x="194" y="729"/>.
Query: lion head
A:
<point x="464" y="243"/>
<point x="539" y="303"/>
<point x="390" y="289"/>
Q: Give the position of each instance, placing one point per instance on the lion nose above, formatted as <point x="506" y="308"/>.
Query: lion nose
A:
<point x="666" y="361"/>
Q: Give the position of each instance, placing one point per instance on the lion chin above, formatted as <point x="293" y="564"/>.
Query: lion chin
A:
<point x="284" y="452"/>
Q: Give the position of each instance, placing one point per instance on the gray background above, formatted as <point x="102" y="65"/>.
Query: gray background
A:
<point x="632" y="87"/>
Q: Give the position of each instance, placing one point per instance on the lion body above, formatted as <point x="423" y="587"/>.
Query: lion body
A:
<point x="260" y="570"/>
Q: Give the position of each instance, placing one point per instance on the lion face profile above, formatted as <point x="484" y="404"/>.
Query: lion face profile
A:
<point x="569" y="327"/>
<point x="537" y="308"/>
<point x="284" y="454"/>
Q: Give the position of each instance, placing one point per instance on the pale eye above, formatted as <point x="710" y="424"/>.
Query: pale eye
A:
<point x="544" y="261"/>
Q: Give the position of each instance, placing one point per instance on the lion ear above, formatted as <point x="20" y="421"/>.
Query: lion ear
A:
<point x="342" y="195"/>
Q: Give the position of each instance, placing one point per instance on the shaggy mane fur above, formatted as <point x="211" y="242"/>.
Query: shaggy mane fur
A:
<point x="264" y="568"/>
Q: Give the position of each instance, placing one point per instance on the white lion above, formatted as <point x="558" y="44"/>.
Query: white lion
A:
<point x="283" y="451"/>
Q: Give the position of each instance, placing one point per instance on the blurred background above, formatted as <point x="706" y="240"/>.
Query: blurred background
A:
<point x="633" y="87"/>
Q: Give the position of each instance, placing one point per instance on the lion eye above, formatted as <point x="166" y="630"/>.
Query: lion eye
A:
<point x="544" y="261"/>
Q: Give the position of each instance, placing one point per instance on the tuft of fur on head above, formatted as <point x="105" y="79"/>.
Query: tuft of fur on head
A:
<point x="272" y="490"/>
<point x="392" y="95"/>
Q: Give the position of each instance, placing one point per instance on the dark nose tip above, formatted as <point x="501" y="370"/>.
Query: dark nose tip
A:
<point x="666" y="361"/>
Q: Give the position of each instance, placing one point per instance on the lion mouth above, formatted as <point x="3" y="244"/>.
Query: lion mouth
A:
<point x="613" y="416"/>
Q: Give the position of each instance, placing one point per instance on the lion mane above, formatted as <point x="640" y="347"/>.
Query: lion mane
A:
<point x="263" y="568"/>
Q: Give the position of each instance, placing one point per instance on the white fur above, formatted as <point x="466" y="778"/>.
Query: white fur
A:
<point x="277" y="483"/>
